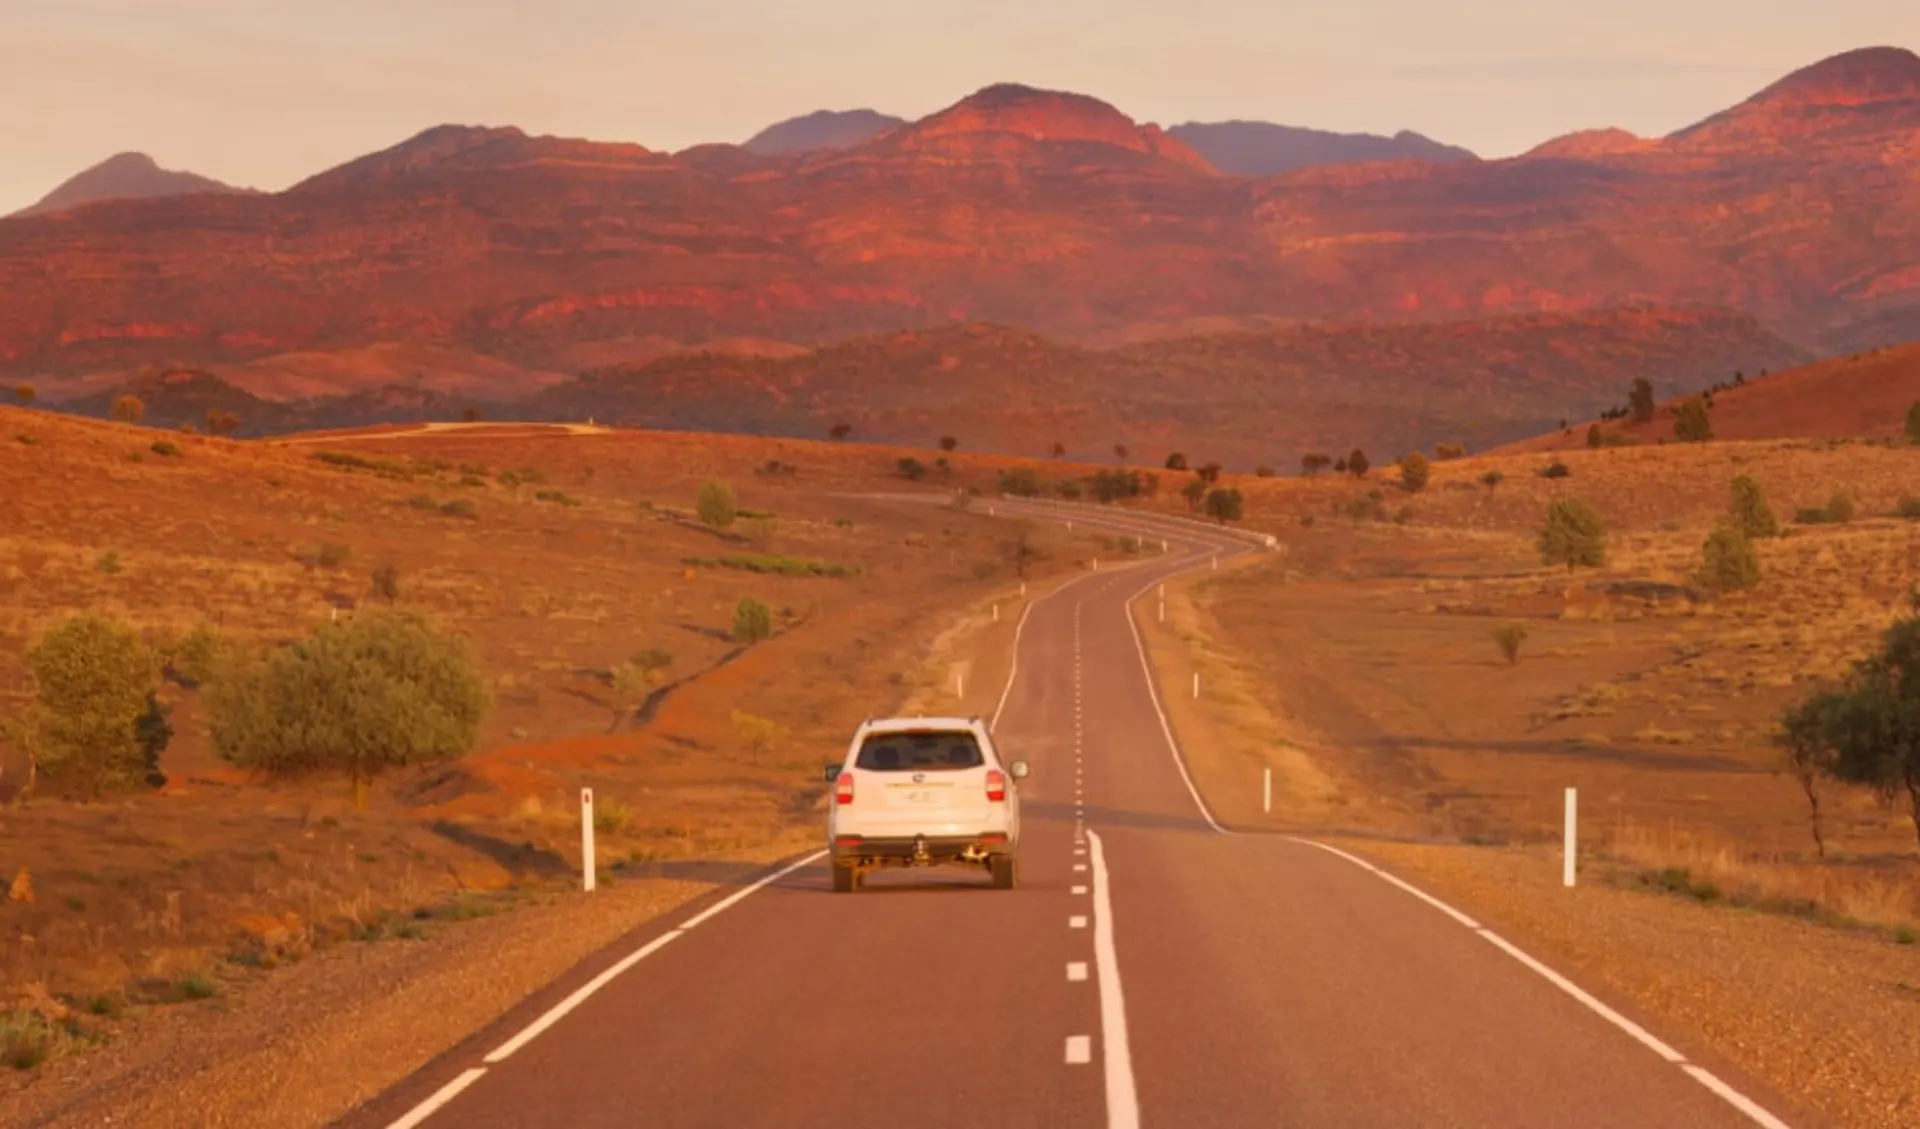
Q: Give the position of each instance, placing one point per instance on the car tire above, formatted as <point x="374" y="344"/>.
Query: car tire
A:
<point x="846" y="879"/>
<point x="1006" y="872"/>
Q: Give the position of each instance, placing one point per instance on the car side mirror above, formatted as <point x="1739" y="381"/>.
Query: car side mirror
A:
<point x="1019" y="770"/>
<point x="833" y="773"/>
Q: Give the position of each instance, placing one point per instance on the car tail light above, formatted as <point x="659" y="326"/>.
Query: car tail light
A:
<point x="993" y="837"/>
<point x="843" y="788"/>
<point x="847" y="841"/>
<point x="996" y="785"/>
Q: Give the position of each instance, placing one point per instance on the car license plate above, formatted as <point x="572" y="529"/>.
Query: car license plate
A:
<point x="920" y="797"/>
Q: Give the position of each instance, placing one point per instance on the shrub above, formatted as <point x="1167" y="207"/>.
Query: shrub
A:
<point x="461" y="508"/>
<point x="1556" y="469"/>
<point x="27" y="393"/>
<point x="948" y="443"/>
<point x="166" y="449"/>
<point x="1312" y="464"/>
<point x="385" y="583"/>
<point x="1748" y="509"/>
<point x="1263" y="471"/>
<point x="840" y="431"/>
<point x="1840" y="507"/>
<point x="220" y="422"/>
<point x="1492" y="479"/>
<point x="1195" y="492"/>
<point x="1594" y="438"/>
<point x="557" y="497"/>
<point x="1866" y="732"/>
<point x="1445" y="451"/>
<point x="761" y="735"/>
<point x="1120" y="452"/>
<point x="1913" y="419"/>
<point x="1059" y="450"/>
<point x="108" y="562"/>
<point x="1640" y="400"/>
<point x="1508" y="637"/>
<point x="128" y="409"/>
<point x="1115" y="485"/>
<point x="715" y="505"/>
<point x="355" y="698"/>
<point x="1728" y="560"/>
<point x="1176" y="461"/>
<point x="1225" y="504"/>
<point x="95" y="720"/>
<point x="911" y="468"/>
<point x="752" y="620"/>
<point x="1357" y="463"/>
<point x="611" y="816"/>
<point x="1414" y="472"/>
<point x="1019" y="482"/>
<point x="1574" y="535"/>
<point x="332" y="555"/>
<point x="199" y="655"/>
<point x="1692" y="424"/>
<point x="1908" y="507"/>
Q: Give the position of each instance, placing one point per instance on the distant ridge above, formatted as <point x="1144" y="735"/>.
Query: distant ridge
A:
<point x="822" y="129"/>
<point x="1249" y="148"/>
<point x="124" y="176"/>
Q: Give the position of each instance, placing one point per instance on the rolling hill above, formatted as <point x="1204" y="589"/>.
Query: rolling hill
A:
<point x="124" y="176"/>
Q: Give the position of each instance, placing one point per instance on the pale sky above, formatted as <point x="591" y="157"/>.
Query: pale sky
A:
<point x="264" y="92"/>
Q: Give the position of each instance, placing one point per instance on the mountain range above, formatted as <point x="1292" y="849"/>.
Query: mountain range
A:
<point x="1796" y="212"/>
<point x="123" y="176"/>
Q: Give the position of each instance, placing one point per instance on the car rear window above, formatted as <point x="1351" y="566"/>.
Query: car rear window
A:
<point x="919" y="752"/>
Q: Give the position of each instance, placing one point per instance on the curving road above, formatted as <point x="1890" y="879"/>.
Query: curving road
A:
<point x="1153" y="969"/>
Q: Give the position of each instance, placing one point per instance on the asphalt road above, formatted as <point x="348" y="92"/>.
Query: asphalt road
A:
<point x="1153" y="969"/>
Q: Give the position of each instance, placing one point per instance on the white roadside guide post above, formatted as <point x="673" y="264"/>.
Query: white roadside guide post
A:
<point x="1196" y="684"/>
<point x="1570" y="850"/>
<point x="586" y="840"/>
<point x="1266" y="790"/>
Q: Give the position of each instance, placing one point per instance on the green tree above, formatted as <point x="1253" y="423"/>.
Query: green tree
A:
<point x="1176" y="461"/>
<point x="1640" y="402"/>
<point x="1019" y="482"/>
<point x="948" y="443"/>
<point x="1749" y="511"/>
<point x="1692" y="424"/>
<point x="1913" y="419"/>
<point x="1867" y="732"/>
<point x="761" y="735"/>
<point x="1804" y="740"/>
<point x="385" y="583"/>
<point x="199" y="655"/>
<point x="91" y="724"/>
<point x="840" y="430"/>
<point x="911" y="469"/>
<point x="355" y="698"/>
<point x="1195" y="492"/>
<point x="1225" y="504"/>
<point x="1574" y="535"/>
<point x="1594" y="438"/>
<point x="128" y="409"/>
<point x="1414" y="472"/>
<point x="752" y="620"/>
<point x="1357" y="463"/>
<point x="1492" y="479"/>
<point x="1313" y="463"/>
<point x="1728" y="561"/>
<point x="715" y="505"/>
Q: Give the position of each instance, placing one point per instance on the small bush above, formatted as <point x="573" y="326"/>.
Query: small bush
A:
<point x="1908" y="507"/>
<point x="332" y="555"/>
<point x="773" y="564"/>
<point x="1019" y="482"/>
<point x="1263" y="471"/>
<point x="715" y="505"/>
<point x="1443" y="452"/>
<point x="1556" y="469"/>
<point x="1748" y="509"/>
<point x="1225" y="504"/>
<point x="1492" y="479"/>
<point x="752" y="620"/>
<point x="460" y="508"/>
<point x="1728" y="560"/>
<point x="91" y="722"/>
<point x="1692" y="424"/>
<point x="1176" y="461"/>
<point x="1913" y="422"/>
<point x="385" y="583"/>
<point x="611" y="816"/>
<point x="1574" y="535"/>
<point x="354" y="698"/>
<point x="948" y="443"/>
<point x="199" y="655"/>
<point x="128" y="409"/>
<point x="911" y="469"/>
<point x="1357" y="463"/>
<point x="1414" y="472"/>
<point x="108" y="562"/>
<point x="557" y="497"/>
<point x="1508" y="637"/>
<point x="1840" y="509"/>
<point x="166" y="449"/>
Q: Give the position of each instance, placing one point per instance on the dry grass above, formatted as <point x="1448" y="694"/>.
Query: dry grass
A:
<point x="1660" y="701"/>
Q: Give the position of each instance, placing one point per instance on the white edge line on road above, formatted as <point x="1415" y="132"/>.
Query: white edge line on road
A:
<point x="419" y="1114"/>
<point x="1753" y="1110"/>
<point x="440" y="1097"/>
<point x="1123" y="1105"/>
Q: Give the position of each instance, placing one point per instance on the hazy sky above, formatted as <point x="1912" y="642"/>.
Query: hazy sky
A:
<point x="265" y="92"/>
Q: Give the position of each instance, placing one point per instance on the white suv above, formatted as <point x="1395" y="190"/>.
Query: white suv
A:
<point x="921" y="791"/>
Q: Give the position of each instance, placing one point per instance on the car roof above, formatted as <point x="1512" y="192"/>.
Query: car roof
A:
<point x="908" y="724"/>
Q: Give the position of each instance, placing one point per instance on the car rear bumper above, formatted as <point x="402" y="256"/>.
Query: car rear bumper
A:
<point x="918" y="850"/>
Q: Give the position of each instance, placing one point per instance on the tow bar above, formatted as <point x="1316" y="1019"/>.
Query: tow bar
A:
<point x="920" y="855"/>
